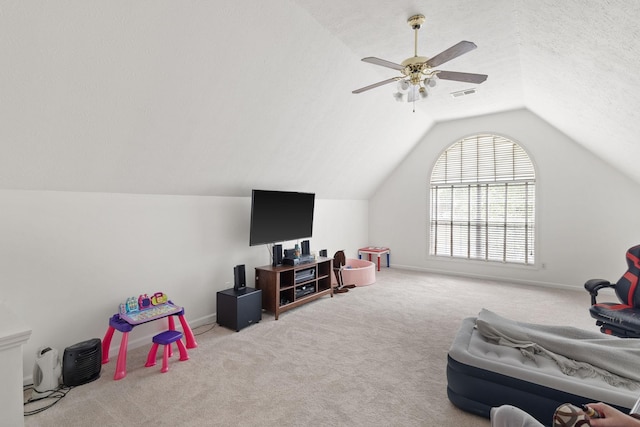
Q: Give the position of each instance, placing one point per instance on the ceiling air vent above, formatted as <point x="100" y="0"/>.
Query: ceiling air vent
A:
<point x="465" y="92"/>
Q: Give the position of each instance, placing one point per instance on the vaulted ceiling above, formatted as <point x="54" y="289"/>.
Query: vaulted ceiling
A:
<point x="219" y="97"/>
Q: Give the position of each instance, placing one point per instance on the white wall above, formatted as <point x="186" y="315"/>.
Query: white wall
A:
<point x="587" y="212"/>
<point x="68" y="259"/>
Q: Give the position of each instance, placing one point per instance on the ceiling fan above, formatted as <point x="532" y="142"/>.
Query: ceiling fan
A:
<point x="417" y="71"/>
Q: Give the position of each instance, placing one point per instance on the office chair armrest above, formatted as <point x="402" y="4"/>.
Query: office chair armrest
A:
<point x="594" y="285"/>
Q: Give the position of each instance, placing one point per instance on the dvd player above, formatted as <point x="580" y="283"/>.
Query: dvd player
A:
<point x="306" y="274"/>
<point x="290" y="261"/>
<point x="306" y="259"/>
<point x="305" y="290"/>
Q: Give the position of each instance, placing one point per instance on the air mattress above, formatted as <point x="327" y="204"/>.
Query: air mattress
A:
<point x="481" y="375"/>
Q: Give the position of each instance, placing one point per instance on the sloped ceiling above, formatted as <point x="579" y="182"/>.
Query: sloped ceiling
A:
<point x="219" y="97"/>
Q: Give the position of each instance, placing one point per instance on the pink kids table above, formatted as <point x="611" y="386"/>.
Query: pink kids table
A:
<point x="126" y="322"/>
<point x="374" y="250"/>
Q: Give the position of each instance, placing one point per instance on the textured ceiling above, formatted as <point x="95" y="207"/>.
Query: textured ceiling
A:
<point x="219" y="97"/>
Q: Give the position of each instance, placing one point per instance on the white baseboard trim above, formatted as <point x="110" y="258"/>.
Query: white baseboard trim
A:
<point x="519" y="282"/>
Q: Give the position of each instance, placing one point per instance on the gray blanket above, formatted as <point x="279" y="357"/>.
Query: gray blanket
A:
<point x="577" y="352"/>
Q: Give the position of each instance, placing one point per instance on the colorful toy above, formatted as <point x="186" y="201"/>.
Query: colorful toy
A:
<point x="151" y="313"/>
<point x="144" y="302"/>
<point x="158" y="298"/>
<point x="132" y="305"/>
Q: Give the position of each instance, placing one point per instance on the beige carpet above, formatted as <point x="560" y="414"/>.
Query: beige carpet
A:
<point x="375" y="356"/>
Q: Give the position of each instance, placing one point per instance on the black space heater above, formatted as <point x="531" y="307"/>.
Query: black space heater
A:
<point x="82" y="362"/>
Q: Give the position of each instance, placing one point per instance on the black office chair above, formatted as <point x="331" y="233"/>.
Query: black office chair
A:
<point x="622" y="318"/>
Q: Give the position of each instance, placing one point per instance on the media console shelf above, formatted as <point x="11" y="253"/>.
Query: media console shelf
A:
<point x="285" y="287"/>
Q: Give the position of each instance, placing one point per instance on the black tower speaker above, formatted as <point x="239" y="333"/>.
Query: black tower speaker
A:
<point x="277" y="255"/>
<point x="239" y="278"/>
<point x="81" y="363"/>
<point x="306" y="248"/>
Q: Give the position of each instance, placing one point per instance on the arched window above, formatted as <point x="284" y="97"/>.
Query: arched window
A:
<point x="483" y="202"/>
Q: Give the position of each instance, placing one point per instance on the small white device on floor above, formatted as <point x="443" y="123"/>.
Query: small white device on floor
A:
<point x="46" y="371"/>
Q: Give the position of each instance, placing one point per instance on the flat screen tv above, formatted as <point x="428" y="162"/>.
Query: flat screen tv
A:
<point x="278" y="216"/>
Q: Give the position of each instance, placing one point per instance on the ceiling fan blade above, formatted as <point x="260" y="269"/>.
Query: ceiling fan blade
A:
<point x="384" y="82"/>
<point x="462" y="77"/>
<point x="451" y="53"/>
<point x="383" y="62"/>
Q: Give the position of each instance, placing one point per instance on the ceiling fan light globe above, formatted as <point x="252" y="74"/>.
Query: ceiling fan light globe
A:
<point x="403" y="85"/>
<point x="398" y="96"/>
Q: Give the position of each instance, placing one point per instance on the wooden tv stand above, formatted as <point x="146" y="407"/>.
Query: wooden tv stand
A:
<point x="286" y="286"/>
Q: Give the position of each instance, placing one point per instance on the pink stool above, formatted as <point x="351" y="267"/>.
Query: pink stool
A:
<point x="166" y="338"/>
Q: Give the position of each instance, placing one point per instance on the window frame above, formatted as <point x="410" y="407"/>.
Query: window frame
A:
<point x="517" y="231"/>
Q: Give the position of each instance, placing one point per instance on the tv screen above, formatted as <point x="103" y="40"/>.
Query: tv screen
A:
<point x="278" y="216"/>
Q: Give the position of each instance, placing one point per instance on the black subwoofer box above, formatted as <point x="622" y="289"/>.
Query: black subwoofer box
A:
<point x="236" y="310"/>
<point x="82" y="362"/>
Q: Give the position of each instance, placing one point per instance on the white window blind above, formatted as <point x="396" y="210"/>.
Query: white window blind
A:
<point x="482" y="194"/>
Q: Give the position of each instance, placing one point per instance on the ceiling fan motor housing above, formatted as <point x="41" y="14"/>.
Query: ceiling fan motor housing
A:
<point x="416" y="21"/>
<point x="414" y="67"/>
